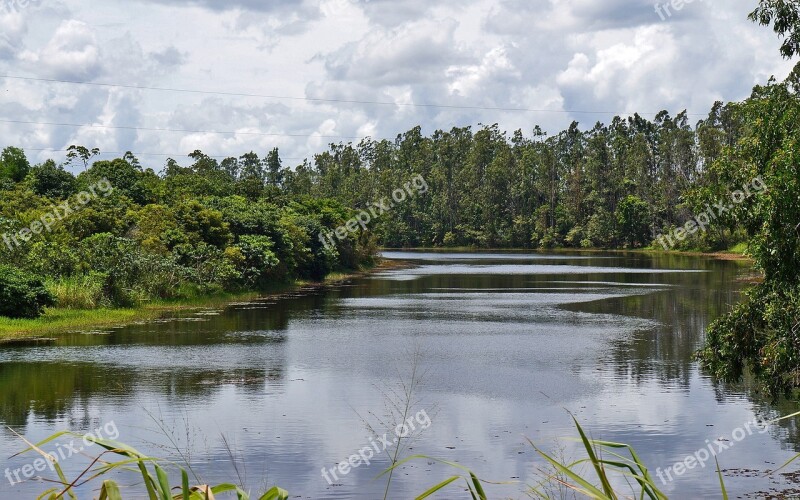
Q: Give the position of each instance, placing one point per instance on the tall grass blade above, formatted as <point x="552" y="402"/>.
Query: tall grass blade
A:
<point x="163" y="483"/>
<point x="721" y="481"/>
<point x="110" y="491"/>
<point x="148" y="480"/>
<point x="47" y="457"/>
<point x="478" y="487"/>
<point x="275" y="493"/>
<point x="586" y="489"/>
<point x="185" y="485"/>
<point x="601" y="473"/>
<point x="786" y="464"/>
<point x="438" y="487"/>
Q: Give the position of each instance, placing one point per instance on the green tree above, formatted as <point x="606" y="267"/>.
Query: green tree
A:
<point x="52" y="181"/>
<point x="22" y="295"/>
<point x="81" y="154"/>
<point x="784" y="16"/>
<point x="633" y="219"/>
<point x="761" y="333"/>
<point x="14" y="164"/>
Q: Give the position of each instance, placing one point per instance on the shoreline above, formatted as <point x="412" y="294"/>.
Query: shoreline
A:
<point x="721" y="255"/>
<point x="57" y="321"/>
<point x="64" y="321"/>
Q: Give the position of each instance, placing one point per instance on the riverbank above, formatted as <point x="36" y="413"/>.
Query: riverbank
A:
<point x="58" y="321"/>
<point x="736" y="253"/>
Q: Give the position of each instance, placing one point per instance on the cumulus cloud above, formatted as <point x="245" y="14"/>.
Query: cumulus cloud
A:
<point x="414" y="53"/>
<point x="379" y="65"/>
<point x="275" y="6"/>
<point x="12" y="29"/>
<point x="72" y="52"/>
<point x="391" y="13"/>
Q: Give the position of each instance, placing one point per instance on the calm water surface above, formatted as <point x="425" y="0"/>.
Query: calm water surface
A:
<point x="509" y="343"/>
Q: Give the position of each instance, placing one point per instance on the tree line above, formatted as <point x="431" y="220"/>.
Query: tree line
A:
<point x="612" y="186"/>
<point x="187" y="231"/>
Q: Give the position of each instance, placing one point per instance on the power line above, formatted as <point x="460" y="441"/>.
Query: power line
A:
<point x="317" y="99"/>
<point x="120" y="127"/>
<point x="172" y="155"/>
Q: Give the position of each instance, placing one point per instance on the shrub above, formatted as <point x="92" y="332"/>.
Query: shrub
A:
<point x="259" y="259"/>
<point x="80" y="292"/>
<point x="22" y="295"/>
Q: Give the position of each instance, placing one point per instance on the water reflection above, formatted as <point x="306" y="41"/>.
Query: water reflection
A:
<point x="510" y="340"/>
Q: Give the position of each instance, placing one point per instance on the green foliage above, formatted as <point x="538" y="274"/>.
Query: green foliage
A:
<point x="633" y="219"/>
<point x="600" y="230"/>
<point x="155" y="474"/>
<point x="761" y="334"/>
<point x="614" y="185"/>
<point x="125" y="176"/>
<point x="22" y="295"/>
<point x="607" y="461"/>
<point x="181" y="235"/>
<point x="784" y="16"/>
<point x="79" y="291"/>
<point x="13" y="164"/>
<point x="52" y="181"/>
<point x="257" y="260"/>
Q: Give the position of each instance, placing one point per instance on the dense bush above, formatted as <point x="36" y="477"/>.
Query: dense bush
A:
<point x="763" y="334"/>
<point x="22" y="295"/>
<point x="201" y="229"/>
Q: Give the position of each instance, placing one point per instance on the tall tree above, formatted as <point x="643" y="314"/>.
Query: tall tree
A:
<point x="784" y="16"/>
<point x="14" y="164"/>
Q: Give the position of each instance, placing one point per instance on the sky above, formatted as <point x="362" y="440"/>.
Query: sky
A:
<point x="252" y="75"/>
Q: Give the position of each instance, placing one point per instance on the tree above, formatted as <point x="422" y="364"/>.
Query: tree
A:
<point x="13" y="164"/>
<point x="761" y="333"/>
<point x="52" y="181"/>
<point x="259" y="260"/>
<point x="75" y="153"/>
<point x="784" y="15"/>
<point x="633" y="219"/>
<point x="22" y="295"/>
<point x="274" y="169"/>
<point x="251" y="176"/>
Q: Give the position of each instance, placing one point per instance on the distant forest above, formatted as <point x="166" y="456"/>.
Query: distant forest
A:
<point x="613" y="186"/>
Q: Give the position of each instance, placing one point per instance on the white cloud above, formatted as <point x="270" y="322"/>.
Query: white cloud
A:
<point x="555" y="55"/>
<point x="72" y="52"/>
<point x="470" y="79"/>
<point x="12" y="29"/>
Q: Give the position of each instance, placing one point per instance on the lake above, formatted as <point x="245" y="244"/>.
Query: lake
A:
<point x="276" y="391"/>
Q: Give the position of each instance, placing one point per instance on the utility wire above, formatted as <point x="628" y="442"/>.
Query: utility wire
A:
<point x="316" y="99"/>
<point x="172" y="155"/>
<point x="120" y="127"/>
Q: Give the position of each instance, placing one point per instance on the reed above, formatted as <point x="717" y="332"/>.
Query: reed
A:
<point x="156" y="479"/>
<point x="606" y="462"/>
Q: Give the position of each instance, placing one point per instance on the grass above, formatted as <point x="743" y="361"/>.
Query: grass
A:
<point x="604" y="459"/>
<point x="595" y="476"/>
<point x="65" y="320"/>
<point x="155" y="476"/>
<point x="81" y="316"/>
<point x="740" y="248"/>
